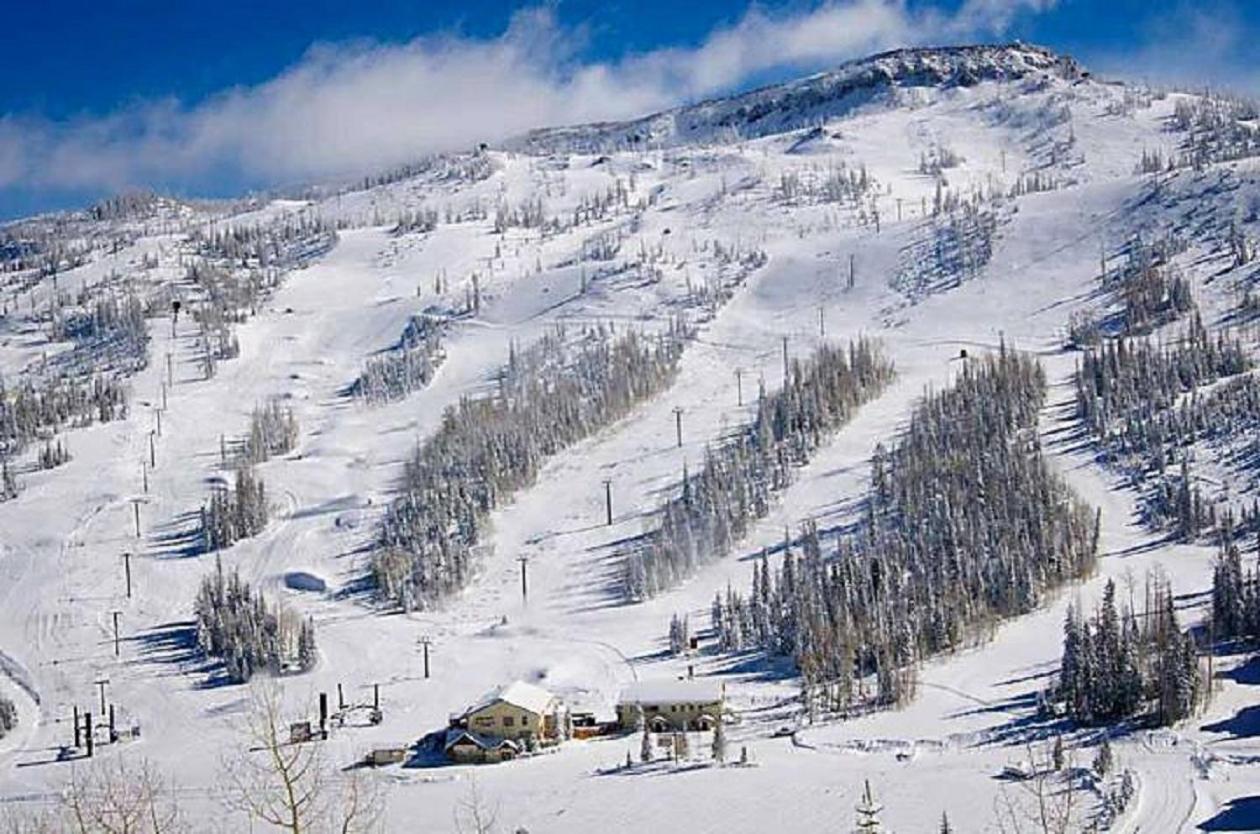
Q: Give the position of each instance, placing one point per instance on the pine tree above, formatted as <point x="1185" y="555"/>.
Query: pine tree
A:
<point x="719" y="742"/>
<point x="868" y="811"/>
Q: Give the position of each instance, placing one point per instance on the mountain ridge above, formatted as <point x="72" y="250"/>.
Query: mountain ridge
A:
<point x="801" y="101"/>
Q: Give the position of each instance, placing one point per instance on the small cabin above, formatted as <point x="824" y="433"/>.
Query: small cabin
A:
<point x="671" y="705"/>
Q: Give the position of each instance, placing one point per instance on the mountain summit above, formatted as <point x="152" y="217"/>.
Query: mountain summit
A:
<point x="806" y="101"/>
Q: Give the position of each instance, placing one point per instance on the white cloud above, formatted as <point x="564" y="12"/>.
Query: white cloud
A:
<point x="1192" y="44"/>
<point x="355" y="107"/>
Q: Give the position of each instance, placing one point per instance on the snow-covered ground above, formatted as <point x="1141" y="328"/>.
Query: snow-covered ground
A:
<point x="62" y="540"/>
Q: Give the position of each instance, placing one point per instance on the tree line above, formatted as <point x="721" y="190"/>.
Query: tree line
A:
<point x="554" y="393"/>
<point x="715" y="507"/>
<point x="964" y="525"/>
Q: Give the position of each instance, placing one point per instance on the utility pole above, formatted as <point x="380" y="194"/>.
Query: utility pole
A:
<point x="170" y="374"/>
<point x="101" y="684"/>
<point x="135" y="505"/>
<point x="608" y="501"/>
<point x="426" y="642"/>
<point x="785" y="361"/>
<point x="822" y="322"/>
<point x="157" y="415"/>
<point x="77" y="736"/>
<point x="117" y="646"/>
<point x="152" y="452"/>
<point x="87" y="729"/>
<point x="852" y="272"/>
<point x="739" y="386"/>
<point x="127" y="571"/>
<point x="524" y="560"/>
<point x="144" y="474"/>
<point x="898" y="209"/>
<point x="678" y="412"/>
<point x="164" y="387"/>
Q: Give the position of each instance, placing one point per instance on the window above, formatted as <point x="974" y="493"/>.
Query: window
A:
<point x="484" y="722"/>
<point x="508" y="720"/>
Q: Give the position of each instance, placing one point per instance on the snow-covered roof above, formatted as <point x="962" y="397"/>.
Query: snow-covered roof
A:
<point x="671" y="691"/>
<point x="483" y="741"/>
<point x="519" y="694"/>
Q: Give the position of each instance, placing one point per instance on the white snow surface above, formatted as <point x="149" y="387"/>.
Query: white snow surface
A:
<point x="62" y="539"/>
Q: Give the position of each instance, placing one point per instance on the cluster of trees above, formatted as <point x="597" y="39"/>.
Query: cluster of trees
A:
<point x="1123" y="378"/>
<point x="33" y="409"/>
<point x="1129" y="395"/>
<point x="273" y="430"/>
<point x="1235" y="592"/>
<point x="407" y="366"/>
<point x="423" y="219"/>
<point x="964" y="525"/>
<point x="237" y="625"/>
<point x="234" y="514"/>
<point x="528" y="214"/>
<point x="957" y="248"/>
<point x="109" y="332"/>
<point x="837" y="183"/>
<point x="1150" y="291"/>
<point x="937" y="159"/>
<point x="283" y="243"/>
<point x="715" y="507"/>
<point x="1218" y="129"/>
<point x="53" y="455"/>
<point x="1118" y="665"/>
<point x="556" y="392"/>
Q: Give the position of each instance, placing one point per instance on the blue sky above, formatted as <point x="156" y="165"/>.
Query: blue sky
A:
<point x="195" y="99"/>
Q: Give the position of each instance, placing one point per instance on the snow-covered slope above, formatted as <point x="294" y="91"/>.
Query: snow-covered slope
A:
<point x="937" y="200"/>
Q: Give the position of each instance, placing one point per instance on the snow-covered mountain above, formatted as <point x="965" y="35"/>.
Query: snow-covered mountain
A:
<point x="635" y="367"/>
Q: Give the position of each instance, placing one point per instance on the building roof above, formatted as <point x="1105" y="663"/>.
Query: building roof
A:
<point x="485" y="742"/>
<point x="671" y="691"/>
<point x="527" y="696"/>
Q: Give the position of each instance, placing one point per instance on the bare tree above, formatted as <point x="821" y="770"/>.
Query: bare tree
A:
<point x="290" y="786"/>
<point x="112" y="796"/>
<point x="271" y="780"/>
<point x="474" y="814"/>
<point x="1048" y="801"/>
